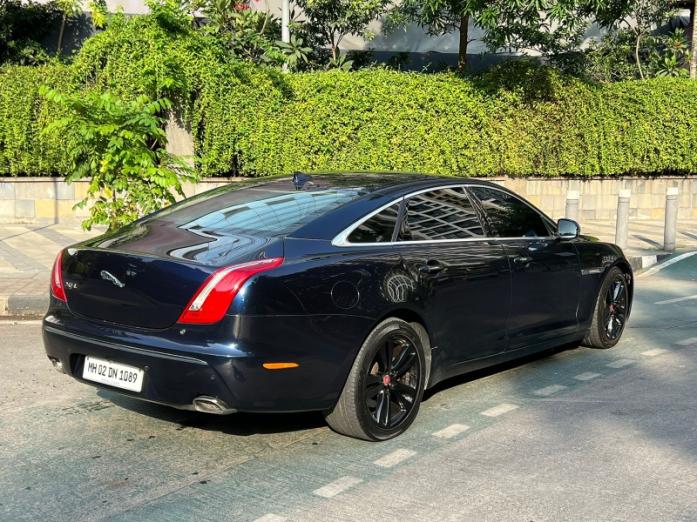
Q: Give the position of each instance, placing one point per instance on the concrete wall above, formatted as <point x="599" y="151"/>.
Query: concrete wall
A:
<point x="598" y="196"/>
<point x="50" y="200"/>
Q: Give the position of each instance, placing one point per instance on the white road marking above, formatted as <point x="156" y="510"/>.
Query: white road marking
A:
<point x="666" y="264"/>
<point x="687" y="342"/>
<point x="620" y="363"/>
<point x="676" y="300"/>
<point x="549" y="390"/>
<point x="338" y="486"/>
<point x="451" y="431"/>
<point x="499" y="410"/>
<point x="392" y="459"/>
<point x="654" y="352"/>
<point x="270" y="517"/>
<point x="586" y="376"/>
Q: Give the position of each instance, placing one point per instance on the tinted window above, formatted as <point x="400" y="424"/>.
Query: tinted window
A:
<point x="510" y="216"/>
<point x="261" y="211"/>
<point x="440" y="214"/>
<point x="377" y="229"/>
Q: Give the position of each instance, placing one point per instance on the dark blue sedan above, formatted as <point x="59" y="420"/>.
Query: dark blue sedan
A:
<point x="348" y="294"/>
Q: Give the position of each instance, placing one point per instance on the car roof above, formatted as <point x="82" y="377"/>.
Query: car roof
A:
<point x="364" y="192"/>
<point x="386" y="182"/>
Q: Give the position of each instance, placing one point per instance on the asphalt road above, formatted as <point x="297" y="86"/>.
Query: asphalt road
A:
<point x="577" y="434"/>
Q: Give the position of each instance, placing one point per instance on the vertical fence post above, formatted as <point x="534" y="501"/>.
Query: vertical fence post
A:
<point x="671" y="223"/>
<point x="572" y="198"/>
<point x="622" y="226"/>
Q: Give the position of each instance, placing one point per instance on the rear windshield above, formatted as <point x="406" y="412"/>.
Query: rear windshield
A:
<point x="263" y="210"/>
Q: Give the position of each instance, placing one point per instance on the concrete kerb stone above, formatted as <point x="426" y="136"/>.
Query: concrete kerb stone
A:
<point x="32" y="306"/>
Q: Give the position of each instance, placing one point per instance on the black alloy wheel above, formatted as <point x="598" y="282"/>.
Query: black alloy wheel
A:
<point x="383" y="391"/>
<point x="615" y="311"/>
<point x="611" y="311"/>
<point x="392" y="382"/>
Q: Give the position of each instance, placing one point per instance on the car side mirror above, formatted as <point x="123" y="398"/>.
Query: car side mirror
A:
<point x="568" y="229"/>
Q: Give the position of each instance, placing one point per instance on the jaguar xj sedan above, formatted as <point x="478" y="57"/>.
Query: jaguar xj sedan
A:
<point x="347" y="294"/>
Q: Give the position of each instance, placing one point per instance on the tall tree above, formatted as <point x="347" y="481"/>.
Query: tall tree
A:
<point x="329" y="21"/>
<point x="546" y="26"/>
<point x="440" y="17"/>
<point x="638" y="17"/>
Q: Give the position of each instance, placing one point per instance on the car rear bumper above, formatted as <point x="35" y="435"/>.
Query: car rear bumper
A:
<point x="231" y="373"/>
<point x="174" y="380"/>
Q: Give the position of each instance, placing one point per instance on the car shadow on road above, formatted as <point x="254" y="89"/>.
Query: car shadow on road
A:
<point x="492" y="370"/>
<point x="240" y="424"/>
<point x="248" y="424"/>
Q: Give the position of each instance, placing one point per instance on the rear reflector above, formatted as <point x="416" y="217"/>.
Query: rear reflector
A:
<point x="213" y="299"/>
<point x="57" y="286"/>
<point x="280" y="365"/>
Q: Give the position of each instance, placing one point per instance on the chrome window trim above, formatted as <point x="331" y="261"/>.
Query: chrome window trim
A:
<point x="341" y="239"/>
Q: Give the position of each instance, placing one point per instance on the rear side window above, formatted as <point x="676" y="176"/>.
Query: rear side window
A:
<point x="377" y="229"/>
<point x="440" y="214"/>
<point x="261" y="211"/>
<point x="508" y="215"/>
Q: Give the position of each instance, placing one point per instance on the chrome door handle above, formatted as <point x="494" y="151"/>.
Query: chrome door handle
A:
<point x="522" y="260"/>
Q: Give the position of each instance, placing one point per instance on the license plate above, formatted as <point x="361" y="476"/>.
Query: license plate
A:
<point x="113" y="374"/>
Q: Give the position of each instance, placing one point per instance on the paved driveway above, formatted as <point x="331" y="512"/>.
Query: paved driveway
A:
<point x="578" y="434"/>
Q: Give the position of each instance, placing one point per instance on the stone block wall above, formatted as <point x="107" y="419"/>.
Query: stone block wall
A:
<point x="51" y="200"/>
<point x="598" y="196"/>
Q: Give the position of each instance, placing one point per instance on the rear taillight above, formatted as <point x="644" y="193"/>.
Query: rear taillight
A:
<point x="57" y="286"/>
<point x="213" y="299"/>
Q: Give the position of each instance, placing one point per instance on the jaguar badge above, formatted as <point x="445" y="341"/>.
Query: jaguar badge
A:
<point x="108" y="276"/>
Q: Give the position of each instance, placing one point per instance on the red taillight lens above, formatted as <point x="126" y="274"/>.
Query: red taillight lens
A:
<point x="57" y="286"/>
<point x="213" y="299"/>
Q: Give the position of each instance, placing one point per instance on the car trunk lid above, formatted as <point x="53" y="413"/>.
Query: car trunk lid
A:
<point x="129" y="289"/>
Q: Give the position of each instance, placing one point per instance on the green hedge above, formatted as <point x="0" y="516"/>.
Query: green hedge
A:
<point x="23" y="115"/>
<point x="255" y="121"/>
<point x="382" y="120"/>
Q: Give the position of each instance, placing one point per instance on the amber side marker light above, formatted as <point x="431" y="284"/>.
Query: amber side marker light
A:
<point x="280" y="365"/>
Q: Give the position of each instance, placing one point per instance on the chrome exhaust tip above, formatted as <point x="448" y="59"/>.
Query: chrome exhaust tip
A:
<point x="57" y="364"/>
<point x="206" y="404"/>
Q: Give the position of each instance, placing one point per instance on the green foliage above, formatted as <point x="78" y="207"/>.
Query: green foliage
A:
<point x="518" y="119"/>
<point x="670" y="55"/>
<point x="120" y="147"/>
<point x="23" y="25"/>
<point x="23" y="115"/>
<point x="294" y="52"/>
<point x="99" y="12"/>
<point x="551" y="27"/>
<point x="440" y="123"/>
<point x="639" y="18"/>
<point x="249" y="34"/>
<point x="327" y="22"/>
<point x="614" y="58"/>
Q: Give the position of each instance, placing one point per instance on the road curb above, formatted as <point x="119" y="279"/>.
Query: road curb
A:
<point x="23" y="306"/>
<point x="642" y="262"/>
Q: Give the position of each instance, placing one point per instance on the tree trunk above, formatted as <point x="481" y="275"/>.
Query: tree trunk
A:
<point x="693" y="43"/>
<point x="637" y="57"/>
<point x="464" y="40"/>
<point x="59" y="47"/>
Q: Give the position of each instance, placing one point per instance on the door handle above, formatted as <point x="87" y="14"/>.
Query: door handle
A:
<point x="431" y="267"/>
<point x="522" y="260"/>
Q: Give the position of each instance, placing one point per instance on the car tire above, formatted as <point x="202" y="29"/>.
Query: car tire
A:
<point x="383" y="391"/>
<point x="610" y="314"/>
